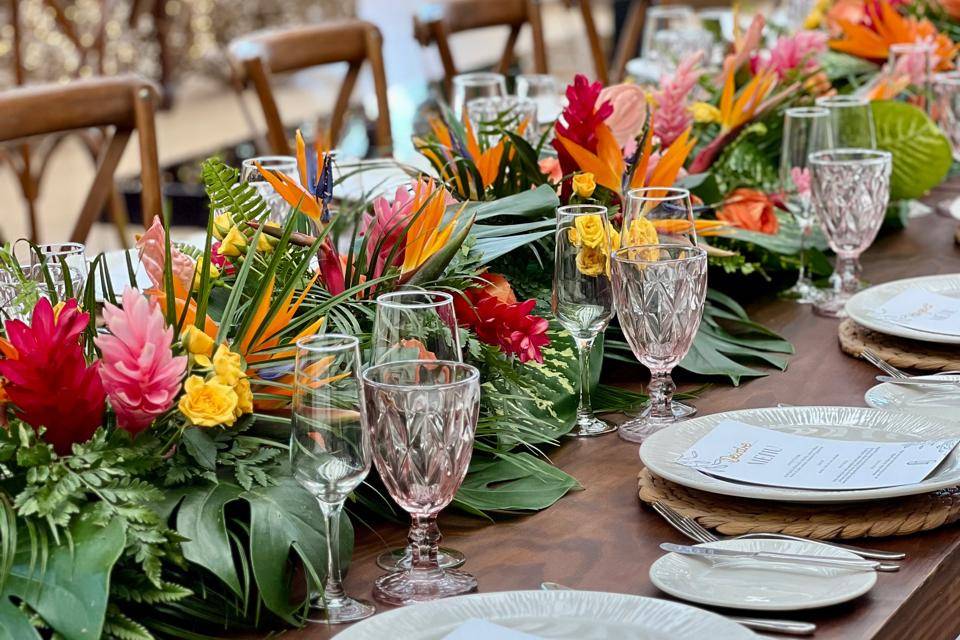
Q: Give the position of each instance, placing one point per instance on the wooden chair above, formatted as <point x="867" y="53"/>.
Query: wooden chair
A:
<point x="436" y="22"/>
<point x="257" y="56"/>
<point x="117" y="106"/>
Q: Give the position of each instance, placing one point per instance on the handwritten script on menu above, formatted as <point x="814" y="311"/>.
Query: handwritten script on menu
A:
<point x="745" y="453"/>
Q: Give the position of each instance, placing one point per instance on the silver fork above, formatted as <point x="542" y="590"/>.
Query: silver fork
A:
<point x="870" y="356"/>
<point x="695" y="531"/>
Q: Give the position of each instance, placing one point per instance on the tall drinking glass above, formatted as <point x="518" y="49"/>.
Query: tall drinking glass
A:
<point x="668" y="210"/>
<point x="582" y="295"/>
<point x="851" y="189"/>
<point x="543" y="89"/>
<point x="415" y="325"/>
<point x="805" y="131"/>
<point x="422" y="416"/>
<point x="912" y="63"/>
<point x="659" y="291"/>
<point x="250" y="174"/>
<point x="946" y="112"/>
<point x="467" y="86"/>
<point x="62" y="259"/>
<point x="489" y="115"/>
<point x="330" y="449"/>
<point x="851" y="122"/>
<point x="663" y="18"/>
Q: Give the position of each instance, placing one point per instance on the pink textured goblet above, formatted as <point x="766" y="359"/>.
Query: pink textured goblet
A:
<point x="422" y="415"/>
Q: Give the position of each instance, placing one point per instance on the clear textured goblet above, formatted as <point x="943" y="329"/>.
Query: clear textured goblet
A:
<point x="851" y="189"/>
<point x="659" y="290"/>
<point x="422" y="416"/>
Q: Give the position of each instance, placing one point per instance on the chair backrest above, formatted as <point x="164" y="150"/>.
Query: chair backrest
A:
<point x="258" y="55"/>
<point x="117" y="105"/>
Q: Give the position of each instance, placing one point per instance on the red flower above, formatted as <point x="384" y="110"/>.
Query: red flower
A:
<point x="220" y="261"/>
<point x="750" y="209"/>
<point x="49" y="381"/>
<point x="494" y="315"/>
<point x="580" y="120"/>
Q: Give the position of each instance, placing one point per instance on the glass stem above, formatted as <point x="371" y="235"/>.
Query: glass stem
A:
<point x="848" y="270"/>
<point x="333" y="593"/>
<point x="584" y="408"/>
<point x="805" y="229"/>
<point x="424" y="540"/>
<point x="661" y="395"/>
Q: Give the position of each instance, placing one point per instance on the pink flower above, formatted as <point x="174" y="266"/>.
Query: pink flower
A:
<point x="387" y="228"/>
<point x="801" y="180"/>
<point x="139" y="372"/>
<point x="672" y="115"/>
<point x="629" y="114"/>
<point x="798" y="51"/>
<point x="550" y="167"/>
<point x="152" y="248"/>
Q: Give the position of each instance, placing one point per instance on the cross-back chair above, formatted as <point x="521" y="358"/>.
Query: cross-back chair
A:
<point x="116" y="107"/>
<point x="257" y="56"/>
<point x="435" y="23"/>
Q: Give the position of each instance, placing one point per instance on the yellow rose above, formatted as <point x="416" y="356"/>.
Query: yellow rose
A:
<point x="263" y="244"/>
<point x="641" y="231"/>
<point x="592" y="262"/>
<point x="614" y="236"/>
<point x="196" y="341"/>
<point x="705" y="112"/>
<point x="584" y="185"/>
<point x="228" y="365"/>
<point x="244" y="397"/>
<point x="813" y="19"/>
<point x="590" y="231"/>
<point x="208" y="403"/>
<point x="198" y="273"/>
<point x="222" y="224"/>
<point x="233" y="244"/>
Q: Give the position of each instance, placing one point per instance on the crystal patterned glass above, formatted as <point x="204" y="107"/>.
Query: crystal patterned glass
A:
<point x="21" y="286"/>
<point x="488" y="116"/>
<point x="415" y="325"/>
<point x="249" y="173"/>
<point x="582" y="295"/>
<point x="330" y="448"/>
<point x="467" y="86"/>
<point x="668" y="210"/>
<point x="659" y="291"/>
<point x="805" y="131"/>
<point x="422" y="417"/>
<point x="851" y="122"/>
<point x="851" y="189"/>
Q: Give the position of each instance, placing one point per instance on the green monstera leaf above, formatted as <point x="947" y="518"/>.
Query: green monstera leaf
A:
<point x="921" y="153"/>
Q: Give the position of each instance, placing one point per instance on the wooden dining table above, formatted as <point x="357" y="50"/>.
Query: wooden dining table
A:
<point x="603" y="538"/>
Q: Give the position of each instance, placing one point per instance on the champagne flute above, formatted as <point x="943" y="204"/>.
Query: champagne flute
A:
<point x="422" y="417"/>
<point x="582" y="296"/>
<point x="415" y="325"/>
<point x="666" y="210"/>
<point x="659" y="291"/>
<point x="805" y="130"/>
<point x="330" y="451"/>
<point x="467" y="86"/>
<point x="851" y="189"/>
<point x="851" y="122"/>
<point x="946" y="112"/>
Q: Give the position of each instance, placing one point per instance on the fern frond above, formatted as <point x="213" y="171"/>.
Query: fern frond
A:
<point x="227" y="193"/>
<point x="117" y="626"/>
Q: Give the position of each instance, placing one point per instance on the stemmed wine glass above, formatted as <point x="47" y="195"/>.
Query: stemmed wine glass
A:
<point x="423" y="414"/>
<point x="582" y="295"/>
<point x="656" y="215"/>
<point x="63" y="259"/>
<point x="945" y="111"/>
<point x="659" y="290"/>
<point x="851" y="122"/>
<point x="467" y="86"/>
<point x="914" y="63"/>
<point x="805" y="131"/>
<point x="851" y="189"/>
<point x="330" y="449"/>
<point x="415" y="325"/>
<point x="250" y="174"/>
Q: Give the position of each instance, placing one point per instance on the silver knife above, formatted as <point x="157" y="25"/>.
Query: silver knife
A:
<point x="770" y="556"/>
<point x="925" y="381"/>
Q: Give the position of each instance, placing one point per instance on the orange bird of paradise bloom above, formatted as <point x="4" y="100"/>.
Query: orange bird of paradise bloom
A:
<point x="426" y="234"/>
<point x="887" y="28"/>
<point x="305" y="198"/>
<point x="738" y="110"/>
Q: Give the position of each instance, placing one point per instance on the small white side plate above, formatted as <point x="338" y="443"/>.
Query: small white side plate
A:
<point x="759" y="585"/>
<point x="862" y="308"/>
<point x="923" y="401"/>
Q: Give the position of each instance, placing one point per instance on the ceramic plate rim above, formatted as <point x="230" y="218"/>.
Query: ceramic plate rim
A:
<point x="856" y="307"/>
<point x="450" y="606"/>
<point x="674" y="472"/>
<point x="700" y="598"/>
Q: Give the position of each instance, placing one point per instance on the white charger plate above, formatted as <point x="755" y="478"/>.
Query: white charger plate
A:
<point x="922" y="401"/>
<point x="661" y="451"/>
<point x="758" y="585"/>
<point x="862" y="308"/>
<point x="557" y="615"/>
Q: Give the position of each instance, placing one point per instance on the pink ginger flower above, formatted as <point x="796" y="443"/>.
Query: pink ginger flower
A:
<point x="798" y="51"/>
<point x="139" y="371"/>
<point x="672" y="115"/>
<point x="152" y="248"/>
<point x="387" y="227"/>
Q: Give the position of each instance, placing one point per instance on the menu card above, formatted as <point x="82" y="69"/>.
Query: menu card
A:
<point x="483" y="630"/>
<point x="744" y="453"/>
<point x="923" y="310"/>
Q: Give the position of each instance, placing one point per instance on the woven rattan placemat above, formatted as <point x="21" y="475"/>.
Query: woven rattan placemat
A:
<point x="907" y="354"/>
<point x="735" y="516"/>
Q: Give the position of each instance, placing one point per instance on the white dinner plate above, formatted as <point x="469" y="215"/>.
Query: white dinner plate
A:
<point x="661" y="451"/>
<point x="553" y="615"/>
<point x="924" y="401"/>
<point x="759" y="585"/>
<point x="862" y="308"/>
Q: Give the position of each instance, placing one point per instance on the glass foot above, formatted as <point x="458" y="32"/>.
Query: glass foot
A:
<point x="804" y="292"/>
<point x="644" y="425"/>
<point x="401" y="559"/>
<point x="409" y="587"/>
<point x="832" y="306"/>
<point x="340" y="610"/>
<point x="588" y="427"/>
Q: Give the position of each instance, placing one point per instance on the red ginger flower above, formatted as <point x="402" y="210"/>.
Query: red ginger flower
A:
<point x="49" y="381"/>
<point x="580" y="119"/>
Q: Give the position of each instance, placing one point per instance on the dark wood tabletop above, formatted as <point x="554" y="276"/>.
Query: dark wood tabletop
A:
<point x="603" y="538"/>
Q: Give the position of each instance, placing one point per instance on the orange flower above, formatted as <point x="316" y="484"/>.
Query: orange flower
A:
<point x="425" y="235"/>
<point x="498" y="287"/>
<point x="751" y="210"/>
